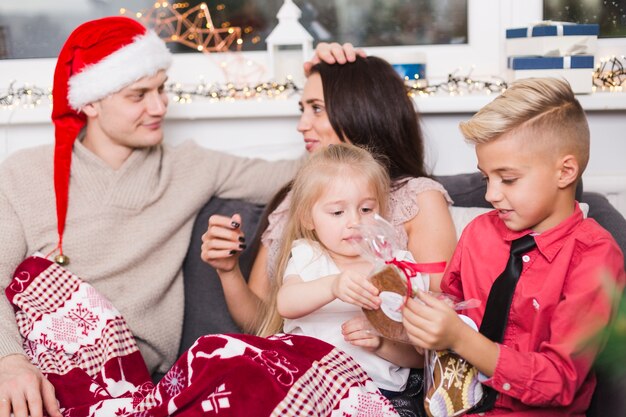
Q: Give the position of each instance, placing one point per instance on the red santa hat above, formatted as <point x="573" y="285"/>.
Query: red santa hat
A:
<point x="99" y="58"/>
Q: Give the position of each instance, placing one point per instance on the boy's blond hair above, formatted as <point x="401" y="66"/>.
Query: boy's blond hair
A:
<point x="332" y="163"/>
<point x="545" y="108"/>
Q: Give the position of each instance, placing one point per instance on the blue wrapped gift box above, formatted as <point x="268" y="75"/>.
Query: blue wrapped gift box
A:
<point x="552" y="62"/>
<point x="577" y="70"/>
<point x="407" y="64"/>
<point x="553" y="39"/>
<point x="554" y="29"/>
<point x="411" y="71"/>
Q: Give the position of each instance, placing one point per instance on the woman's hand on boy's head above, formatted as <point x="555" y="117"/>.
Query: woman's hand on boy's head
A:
<point x="333" y="53"/>
<point x="223" y="242"/>
<point x="431" y="323"/>
<point x="353" y="287"/>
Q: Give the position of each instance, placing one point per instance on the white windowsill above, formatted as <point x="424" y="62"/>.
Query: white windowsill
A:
<point x="288" y="107"/>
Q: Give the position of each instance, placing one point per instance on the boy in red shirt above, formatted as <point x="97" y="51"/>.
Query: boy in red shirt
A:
<point x="532" y="145"/>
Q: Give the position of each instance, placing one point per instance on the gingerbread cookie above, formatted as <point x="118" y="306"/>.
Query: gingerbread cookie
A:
<point x="387" y="320"/>
<point x="454" y="388"/>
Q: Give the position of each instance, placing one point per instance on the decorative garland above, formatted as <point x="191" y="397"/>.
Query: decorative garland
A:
<point x="456" y="85"/>
<point x="26" y="96"/>
<point x="32" y="96"/>
<point x="610" y="74"/>
<point x="216" y="92"/>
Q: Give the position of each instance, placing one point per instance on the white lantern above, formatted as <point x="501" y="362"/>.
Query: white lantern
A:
<point x="289" y="45"/>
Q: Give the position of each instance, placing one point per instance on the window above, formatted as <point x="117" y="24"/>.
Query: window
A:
<point x="38" y="28"/>
<point x="609" y="14"/>
<point x="28" y="26"/>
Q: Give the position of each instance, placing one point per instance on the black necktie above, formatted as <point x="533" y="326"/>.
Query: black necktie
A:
<point x="498" y="305"/>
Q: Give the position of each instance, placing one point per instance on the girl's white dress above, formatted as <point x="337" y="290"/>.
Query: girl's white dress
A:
<point x="310" y="262"/>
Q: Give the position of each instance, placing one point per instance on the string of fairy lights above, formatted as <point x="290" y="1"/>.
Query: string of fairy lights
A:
<point x="455" y="85"/>
<point x="609" y="75"/>
<point x="215" y="92"/>
<point x="29" y="96"/>
<point x="25" y="96"/>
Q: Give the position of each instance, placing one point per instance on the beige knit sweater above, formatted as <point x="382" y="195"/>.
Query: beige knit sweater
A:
<point x="127" y="230"/>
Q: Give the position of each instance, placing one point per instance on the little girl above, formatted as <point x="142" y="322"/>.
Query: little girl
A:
<point x="325" y="283"/>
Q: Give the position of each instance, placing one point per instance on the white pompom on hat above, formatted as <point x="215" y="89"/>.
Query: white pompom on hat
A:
<point x="99" y="58"/>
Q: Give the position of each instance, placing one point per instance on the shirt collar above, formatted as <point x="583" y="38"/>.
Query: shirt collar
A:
<point x="551" y="241"/>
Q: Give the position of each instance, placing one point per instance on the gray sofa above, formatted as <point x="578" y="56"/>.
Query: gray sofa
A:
<point x="206" y="311"/>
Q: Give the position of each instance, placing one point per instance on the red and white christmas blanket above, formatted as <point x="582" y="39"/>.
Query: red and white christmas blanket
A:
<point x="84" y="347"/>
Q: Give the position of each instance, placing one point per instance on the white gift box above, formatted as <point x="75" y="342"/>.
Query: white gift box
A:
<point x="577" y="70"/>
<point x="553" y="39"/>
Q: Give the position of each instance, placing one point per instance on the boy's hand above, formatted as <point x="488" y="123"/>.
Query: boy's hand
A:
<point x="223" y="242"/>
<point x="354" y="288"/>
<point x="359" y="332"/>
<point x="431" y="323"/>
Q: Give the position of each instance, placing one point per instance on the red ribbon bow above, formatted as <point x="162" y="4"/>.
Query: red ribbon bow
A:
<point x="410" y="269"/>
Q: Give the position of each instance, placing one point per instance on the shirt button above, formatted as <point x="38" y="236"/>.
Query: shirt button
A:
<point x="506" y="386"/>
<point x="525" y="258"/>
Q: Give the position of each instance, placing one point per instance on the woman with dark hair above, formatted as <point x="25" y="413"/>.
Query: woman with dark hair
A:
<point x="365" y="103"/>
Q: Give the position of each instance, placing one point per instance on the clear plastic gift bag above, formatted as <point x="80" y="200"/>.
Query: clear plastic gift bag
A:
<point x="396" y="275"/>
<point x="451" y="384"/>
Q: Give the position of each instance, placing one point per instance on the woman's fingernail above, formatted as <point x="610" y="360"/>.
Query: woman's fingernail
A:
<point x="242" y="239"/>
<point x="235" y="224"/>
<point x="242" y="246"/>
<point x="232" y="252"/>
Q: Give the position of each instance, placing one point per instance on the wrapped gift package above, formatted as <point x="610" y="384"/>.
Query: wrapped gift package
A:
<point x="577" y="70"/>
<point x="408" y="65"/>
<point x="411" y="71"/>
<point x="552" y="39"/>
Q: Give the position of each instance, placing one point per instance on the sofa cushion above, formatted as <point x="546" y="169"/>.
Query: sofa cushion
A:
<point x="608" y="398"/>
<point x="206" y="311"/>
<point x="607" y="216"/>
<point x="466" y="190"/>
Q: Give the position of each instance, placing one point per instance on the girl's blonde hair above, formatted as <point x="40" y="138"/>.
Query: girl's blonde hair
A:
<point x="324" y="166"/>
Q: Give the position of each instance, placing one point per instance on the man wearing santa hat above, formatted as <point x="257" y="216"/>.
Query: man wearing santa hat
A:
<point x="125" y="204"/>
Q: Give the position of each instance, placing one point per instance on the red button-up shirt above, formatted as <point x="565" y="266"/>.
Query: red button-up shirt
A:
<point x="561" y="299"/>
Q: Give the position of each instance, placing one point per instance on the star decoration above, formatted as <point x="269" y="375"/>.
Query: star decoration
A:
<point x="193" y="28"/>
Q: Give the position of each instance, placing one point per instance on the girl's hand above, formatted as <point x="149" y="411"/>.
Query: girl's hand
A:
<point x="223" y="242"/>
<point x="430" y="323"/>
<point x="359" y="332"/>
<point x="354" y="288"/>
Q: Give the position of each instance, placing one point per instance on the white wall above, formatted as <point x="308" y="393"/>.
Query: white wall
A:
<point x="267" y="129"/>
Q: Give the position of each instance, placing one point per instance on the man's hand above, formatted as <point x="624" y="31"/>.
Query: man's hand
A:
<point x="24" y="390"/>
<point x="333" y="53"/>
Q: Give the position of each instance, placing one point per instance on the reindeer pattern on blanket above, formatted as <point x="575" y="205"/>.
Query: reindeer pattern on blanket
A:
<point x="85" y="348"/>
